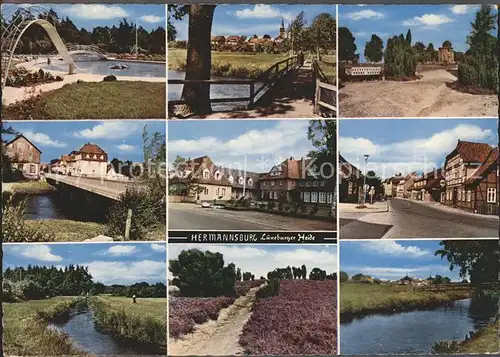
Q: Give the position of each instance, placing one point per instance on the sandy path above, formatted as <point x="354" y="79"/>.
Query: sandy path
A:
<point x="217" y="338"/>
<point x="427" y="97"/>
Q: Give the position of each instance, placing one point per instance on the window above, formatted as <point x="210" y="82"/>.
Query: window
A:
<point x="262" y="194"/>
<point x="301" y="184"/>
<point x="206" y="174"/>
<point x="492" y="195"/>
<point x="231" y="179"/>
<point x="272" y="183"/>
<point x="315" y="183"/>
<point x="307" y="196"/>
<point x="469" y="195"/>
<point x="240" y="180"/>
<point x="223" y="191"/>
<point x="217" y="191"/>
<point x="217" y="175"/>
<point x="349" y="188"/>
<point x="322" y="197"/>
<point x="322" y="183"/>
<point x="102" y="157"/>
<point x="250" y="182"/>
<point x="329" y="197"/>
<point x="302" y="196"/>
<point x="282" y="183"/>
<point x="31" y="157"/>
<point x="32" y="169"/>
<point x="314" y="197"/>
<point x="205" y="190"/>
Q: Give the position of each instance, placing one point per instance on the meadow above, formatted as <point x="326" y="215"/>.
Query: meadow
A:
<point x="361" y="299"/>
<point x="229" y="64"/>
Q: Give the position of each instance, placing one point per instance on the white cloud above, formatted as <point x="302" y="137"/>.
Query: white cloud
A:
<point x="428" y="21"/>
<point x="127" y="272"/>
<point x="39" y="252"/>
<point x="96" y="12"/>
<point x="420" y="154"/>
<point x="126" y="147"/>
<point x="462" y="9"/>
<point x="259" y="261"/>
<point x="122" y="250"/>
<point x="262" y="11"/>
<point x="43" y="140"/>
<point x="152" y="19"/>
<point x="159" y="247"/>
<point x="393" y="248"/>
<point x="111" y="130"/>
<point x="365" y="15"/>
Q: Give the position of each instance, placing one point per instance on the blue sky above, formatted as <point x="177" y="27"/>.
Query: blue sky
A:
<point x="265" y="142"/>
<point x="89" y="16"/>
<point x="120" y="139"/>
<point x="392" y="260"/>
<point x="428" y="23"/>
<point x="259" y="259"/>
<point x="407" y="145"/>
<point x="109" y="263"/>
<point x="259" y="19"/>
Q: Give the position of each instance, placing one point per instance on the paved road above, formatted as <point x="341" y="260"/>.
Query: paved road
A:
<point x="193" y="217"/>
<point x="408" y="219"/>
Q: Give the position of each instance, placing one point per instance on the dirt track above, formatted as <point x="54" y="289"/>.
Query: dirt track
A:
<point x="427" y="97"/>
<point x="217" y="338"/>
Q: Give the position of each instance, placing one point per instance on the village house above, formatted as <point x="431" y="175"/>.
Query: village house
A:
<point x="316" y="182"/>
<point x="390" y="185"/>
<point x="429" y="187"/>
<point x="405" y="183"/>
<point x="234" y="40"/>
<point x="280" y="181"/>
<point x="472" y="178"/>
<point x="243" y="183"/>
<point x="218" y="40"/>
<point x="351" y="182"/>
<point x="90" y="160"/>
<point x="24" y="156"/>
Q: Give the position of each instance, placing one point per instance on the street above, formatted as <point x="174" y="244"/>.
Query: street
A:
<point x="410" y="219"/>
<point x="192" y="217"/>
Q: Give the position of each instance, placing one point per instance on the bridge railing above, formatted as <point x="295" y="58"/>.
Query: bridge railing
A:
<point x="325" y="97"/>
<point x="269" y="78"/>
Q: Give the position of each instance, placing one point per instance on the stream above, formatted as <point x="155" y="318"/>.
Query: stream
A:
<point x="415" y="331"/>
<point x="86" y="336"/>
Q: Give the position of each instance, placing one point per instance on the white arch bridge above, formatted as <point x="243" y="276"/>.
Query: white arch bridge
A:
<point x="16" y="25"/>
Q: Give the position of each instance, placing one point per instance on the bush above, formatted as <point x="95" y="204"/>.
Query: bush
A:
<point x="21" y="77"/>
<point x="271" y="205"/>
<point x="314" y="210"/>
<point x="343" y="276"/>
<point x="110" y="78"/>
<point x="479" y="72"/>
<point x="14" y="227"/>
<point x="148" y="211"/>
<point x="272" y="288"/>
<point x="399" y="58"/>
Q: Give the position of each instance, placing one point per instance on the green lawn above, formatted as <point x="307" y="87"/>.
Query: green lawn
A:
<point x="95" y="100"/>
<point x="66" y="230"/>
<point x="357" y="298"/>
<point x="153" y="307"/>
<point x="25" y="335"/>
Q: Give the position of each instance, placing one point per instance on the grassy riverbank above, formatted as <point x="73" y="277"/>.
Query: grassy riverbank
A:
<point x="229" y="64"/>
<point x="28" y="187"/>
<point x="94" y="100"/>
<point x="142" y="324"/>
<point x="360" y="299"/>
<point x="26" y="332"/>
<point x="66" y="230"/>
<point x="486" y="340"/>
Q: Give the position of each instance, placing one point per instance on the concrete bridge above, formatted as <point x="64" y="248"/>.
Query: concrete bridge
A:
<point x="101" y="187"/>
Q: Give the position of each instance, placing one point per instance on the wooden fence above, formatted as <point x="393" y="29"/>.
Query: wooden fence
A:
<point x="325" y="97"/>
<point x="268" y="79"/>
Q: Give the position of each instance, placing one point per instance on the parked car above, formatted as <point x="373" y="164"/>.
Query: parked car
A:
<point x="206" y="205"/>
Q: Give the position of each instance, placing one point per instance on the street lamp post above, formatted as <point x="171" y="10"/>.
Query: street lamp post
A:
<point x="364" y="179"/>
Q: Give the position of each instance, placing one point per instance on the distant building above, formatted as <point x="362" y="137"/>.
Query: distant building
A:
<point x="405" y="184"/>
<point x="24" y="156"/>
<point x="244" y="184"/>
<point x="429" y="187"/>
<point x="279" y="182"/>
<point x="351" y="182"/>
<point x="390" y="185"/>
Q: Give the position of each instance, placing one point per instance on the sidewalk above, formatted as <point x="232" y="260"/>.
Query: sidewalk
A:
<point x="445" y="208"/>
<point x="376" y="207"/>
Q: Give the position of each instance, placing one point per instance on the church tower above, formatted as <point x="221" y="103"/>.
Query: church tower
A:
<point x="282" y="29"/>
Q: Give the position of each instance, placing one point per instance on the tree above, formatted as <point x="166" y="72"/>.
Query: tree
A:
<point x="408" y="37"/>
<point x="374" y="49"/>
<point x="317" y="274"/>
<point x="323" y="136"/>
<point x="247" y="276"/>
<point x="323" y="33"/>
<point x="480" y="260"/>
<point x="347" y="47"/>
<point x="203" y="274"/>
<point x="304" y="271"/>
<point x="358" y="277"/>
<point x="344" y="276"/>
<point x="181" y="181"/>
<point x="400" y="58"/>
<point x="238" y="274"/>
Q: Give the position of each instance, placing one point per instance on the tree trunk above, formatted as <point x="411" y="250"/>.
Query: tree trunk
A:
<point x="199" y="62"/>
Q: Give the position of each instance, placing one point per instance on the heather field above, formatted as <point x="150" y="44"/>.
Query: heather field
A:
<point x="302" y="319"/>
<point x="186" y="312"/>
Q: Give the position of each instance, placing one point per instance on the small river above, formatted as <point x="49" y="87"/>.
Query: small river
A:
<point x="86" y="337"/>
<point x="52" y="206"/>
<point x="415" y="331"/>
<point x="216" y="91"/>
<point x="135" y="69"/>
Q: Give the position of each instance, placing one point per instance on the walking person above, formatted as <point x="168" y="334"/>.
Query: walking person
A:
<point x="133" y="299"/>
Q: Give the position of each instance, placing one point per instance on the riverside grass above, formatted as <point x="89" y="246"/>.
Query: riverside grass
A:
<point x="229" y="64"/>
<point x="360" y="299"/>
<point x="25" y="327"/>
<point x="142" y="324"/>
<point x="486" y="340"/>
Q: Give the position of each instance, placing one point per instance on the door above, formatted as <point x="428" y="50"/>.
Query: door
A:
<point x="454" y="198"/>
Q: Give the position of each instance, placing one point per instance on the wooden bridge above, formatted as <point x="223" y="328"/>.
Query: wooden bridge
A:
<point x="286" y="89"/>
<point x="105" y="188"/>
